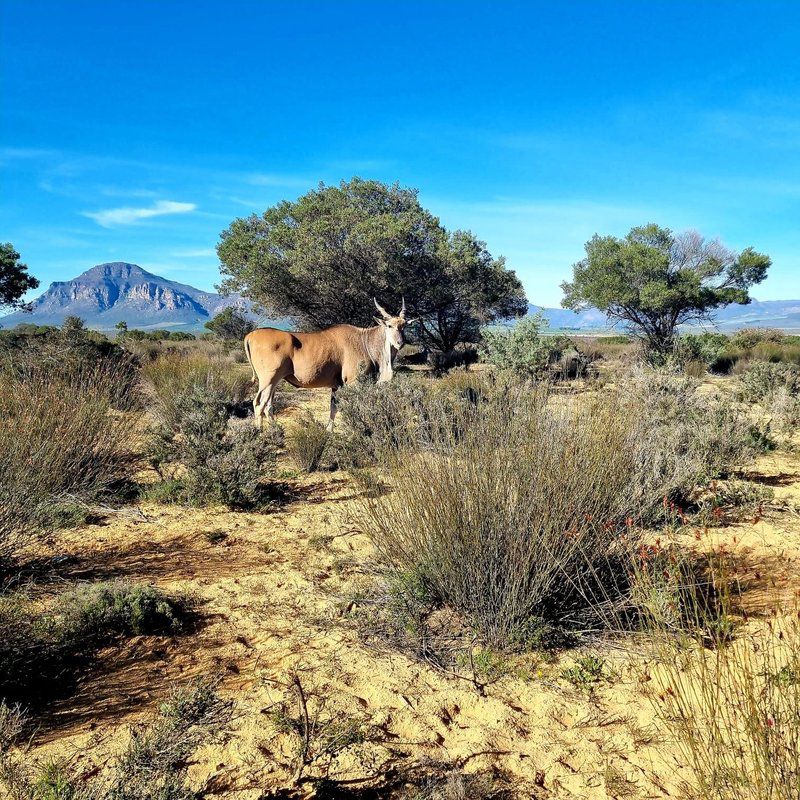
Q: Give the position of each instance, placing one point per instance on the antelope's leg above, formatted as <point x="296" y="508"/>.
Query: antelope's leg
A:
<point x="329" y="426"/>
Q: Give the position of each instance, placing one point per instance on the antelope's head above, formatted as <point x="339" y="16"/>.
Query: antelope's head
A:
<point x="393" y="325"/>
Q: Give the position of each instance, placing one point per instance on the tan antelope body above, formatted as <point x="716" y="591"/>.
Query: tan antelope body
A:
<point x="324" y="359"/>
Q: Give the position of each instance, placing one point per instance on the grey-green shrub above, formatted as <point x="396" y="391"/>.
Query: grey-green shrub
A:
<point x="685" y="439"/>
<point x="522" y="348"/>
<point x="760" y="381"/>
<point x="153" y="766"/>
<point x="206" y="459"/>
<point x="309" y="443"/>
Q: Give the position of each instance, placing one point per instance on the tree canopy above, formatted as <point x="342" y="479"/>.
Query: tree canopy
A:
<point x="321" y="259"/>
<point x="654" y="280"/>
<point x="14" y="278"/>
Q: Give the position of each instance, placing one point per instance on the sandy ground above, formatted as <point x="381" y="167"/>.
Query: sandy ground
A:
<point x="275" y="595"/>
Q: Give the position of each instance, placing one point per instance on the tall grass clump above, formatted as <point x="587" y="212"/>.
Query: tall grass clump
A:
<point x="170" y="376"/>
<point x="62" y="444"/>
<point x="731" y="704"/>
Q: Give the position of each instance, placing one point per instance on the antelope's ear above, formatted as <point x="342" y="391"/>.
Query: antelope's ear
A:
<point x="378" y="320"/>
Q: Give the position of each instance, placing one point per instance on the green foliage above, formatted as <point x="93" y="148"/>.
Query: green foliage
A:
<point x="377" y="417"/>
<point x="586" y="672"/>
<point x="14" y="277"/>
<point x="654" y="281"/>
<point x="322" y="258"/>
<point x="523" y="348"/>
<point x="230" y="325"/>
<point x="708" y="348"/>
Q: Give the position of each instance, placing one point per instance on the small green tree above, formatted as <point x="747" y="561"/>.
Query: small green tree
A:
<point x="14" y="279"/>
<point x="73" y="328"/>
<point x="654" y="281"/>
<point x="230" y="324"/>
<point x="321" y="259"/>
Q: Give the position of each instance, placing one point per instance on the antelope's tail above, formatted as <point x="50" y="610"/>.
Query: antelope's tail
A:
<point x="249" y="359"/>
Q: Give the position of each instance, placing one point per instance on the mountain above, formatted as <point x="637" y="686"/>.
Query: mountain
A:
<point x="109" y="293"/>
<point x="783" y="314"/>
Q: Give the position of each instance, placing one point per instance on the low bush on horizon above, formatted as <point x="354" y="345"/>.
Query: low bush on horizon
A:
<point x="153" y="766"/>
<point x="40" y="646"/>
<point x="62" y="446"/>
<point x="523" y="349"/>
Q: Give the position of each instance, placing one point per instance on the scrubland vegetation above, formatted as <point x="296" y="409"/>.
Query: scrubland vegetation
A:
<point x="526" y="523"/>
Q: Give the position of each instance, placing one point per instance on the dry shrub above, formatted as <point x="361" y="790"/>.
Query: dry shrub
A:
<point x="154" y="765"/>
<point x="521" y="509"/>
<point x="762" y="380"/>
<point x="510" y="517"/>
<point x="687" y="439"/>
<point x="61" y="443"/>
<point x="377" y="418"/>
<point x="170" y="376"/>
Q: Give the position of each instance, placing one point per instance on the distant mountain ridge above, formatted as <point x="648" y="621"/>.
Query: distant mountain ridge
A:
<point x="118" y="291"/>
<point x="783" y="314"/>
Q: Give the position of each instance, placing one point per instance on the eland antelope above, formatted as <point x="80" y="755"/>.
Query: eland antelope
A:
<point x="323" y="359"/>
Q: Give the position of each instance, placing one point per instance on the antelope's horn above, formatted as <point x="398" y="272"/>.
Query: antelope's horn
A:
<point x="384" y="313"/>
<point x="403" y="309"/>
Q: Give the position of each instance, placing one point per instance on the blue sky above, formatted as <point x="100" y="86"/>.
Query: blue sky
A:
<point x="137" y="131"/>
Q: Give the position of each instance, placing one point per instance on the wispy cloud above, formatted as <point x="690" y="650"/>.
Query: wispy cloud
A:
<point x="111" y="217"/>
